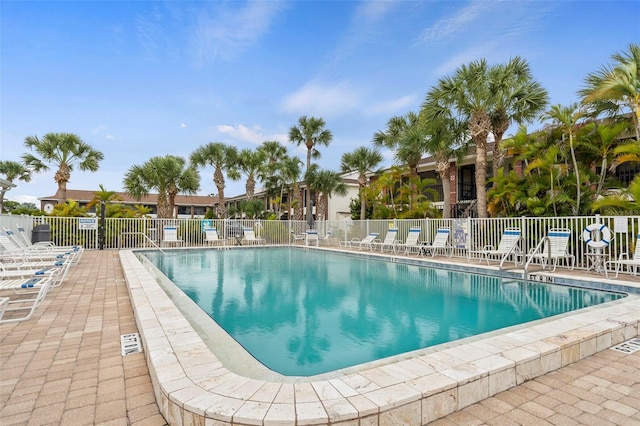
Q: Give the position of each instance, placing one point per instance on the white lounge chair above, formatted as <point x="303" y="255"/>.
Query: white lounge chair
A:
<point x="411" y="243"/>
<point x="553" y="247"/>
<point x="250" y="237"/>
<point x="11" y="251"/>
<point x="57" y="273"/>
<point x="365" y="242"/>
<point x="170" y="236"/>
<point x="21" y="235"/>
<point x="631" y="262"/>
<point x="389" y="240"/>
<point x="440" y="242"/>
<point x="211" y="237"/>
<point x="38" y="287"/>
<point x="509" y="245"/>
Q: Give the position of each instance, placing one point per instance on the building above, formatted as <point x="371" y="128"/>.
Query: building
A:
<point x="187" y="206"/>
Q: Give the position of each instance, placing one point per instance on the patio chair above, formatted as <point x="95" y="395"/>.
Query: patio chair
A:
<point x="38" y="287"/>
<point x="250" y="237"/>
<point x="389" y="240"/>
<point x="440" y="242"/>
<point x="57" y="273"/>
<point x="509" y="245"/>
<point x="367" y="241"/>
<point x="212" y="238"/>
<point x="553" y="247"/>
<point x="9" y="250"/>
<point x="170" y="236"/>
<point x="631" y="262"/>
<point x="411" y="243"/>
<point x="298" y="237"/>
<point x="21" y="235"/>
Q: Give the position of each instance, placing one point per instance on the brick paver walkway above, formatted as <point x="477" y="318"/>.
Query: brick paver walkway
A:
<point x="64" y="367"/>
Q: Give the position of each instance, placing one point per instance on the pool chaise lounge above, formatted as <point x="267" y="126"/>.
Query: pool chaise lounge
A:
<point x="192" y="386"/>
<point x="36" y="288"/>
<point x="366" y="242"/>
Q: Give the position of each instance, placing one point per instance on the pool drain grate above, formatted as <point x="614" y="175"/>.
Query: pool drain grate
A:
<point x="628" y="347"/>
<point x="130" y="344"/>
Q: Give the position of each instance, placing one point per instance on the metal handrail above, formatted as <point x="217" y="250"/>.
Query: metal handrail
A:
<point x="511" y="251"/>
<point x="146" y="237"/>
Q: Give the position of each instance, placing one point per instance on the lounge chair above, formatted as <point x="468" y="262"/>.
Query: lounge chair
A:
<point x="212" y="238"/>
<point x="631" y="262"/>
<point x="389" y="240"/>
<point x="411" y="243"/>
<point x="440" y="242"/>
<point x="509" y="245"/>
<point x="13" y="252"/>
<point x="170" y="236"/>
<point x="39" y="287"/>
<point x="366" y="242"/>
<point x="250" y="237"/>
<point x="553" y="247"/>
<point x="26" y="242"/>
<point x="57" y="273"/>
<point x="311" y="238"/>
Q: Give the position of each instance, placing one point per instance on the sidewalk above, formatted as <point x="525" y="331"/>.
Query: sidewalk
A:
<point x="64" y="367"/>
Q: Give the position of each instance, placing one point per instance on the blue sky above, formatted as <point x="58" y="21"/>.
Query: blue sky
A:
<point x="146" y="78"/>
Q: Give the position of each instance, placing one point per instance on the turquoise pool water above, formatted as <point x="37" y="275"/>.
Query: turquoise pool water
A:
<point x="304" y="312"/>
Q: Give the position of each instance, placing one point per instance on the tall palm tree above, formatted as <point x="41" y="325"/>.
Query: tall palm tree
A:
<point x="467" y="95"/>
<point x="223" y="158"/>
<point x="565" y="118"/>
<point x="613" y="88"/>
<point x="328" y="183"/>
<point x="12" y="170"/>
<point x="364" y="161"/>
<point x="407" y="136"/>
<point x="518" y="97"/>
<point x="169" y="175"/>
<point x="62" y="150"/>
<point x="274" y="152"/>
<point x="290" y="172"/>
<point x="446" y="139"/>
<point x="250" y="163"/>
<point x="310" y="132"/>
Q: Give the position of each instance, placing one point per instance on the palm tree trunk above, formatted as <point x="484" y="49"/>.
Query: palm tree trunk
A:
<point x="481" y="179"/>
<point x="576" y="210"/>
<point x="444" y="172"/>
<point x="308" y="198"/>
<point x="218" y="180"/>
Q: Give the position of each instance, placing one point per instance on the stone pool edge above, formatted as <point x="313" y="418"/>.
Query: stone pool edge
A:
<point x="193" y="387"/>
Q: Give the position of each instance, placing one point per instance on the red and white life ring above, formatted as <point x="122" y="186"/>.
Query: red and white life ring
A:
<point x="605" y="235"/>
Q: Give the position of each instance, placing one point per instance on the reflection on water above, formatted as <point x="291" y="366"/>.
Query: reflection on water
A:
<point x="303" y="313"/>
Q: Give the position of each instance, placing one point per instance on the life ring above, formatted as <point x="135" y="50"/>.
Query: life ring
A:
<point x="605" y="235"/>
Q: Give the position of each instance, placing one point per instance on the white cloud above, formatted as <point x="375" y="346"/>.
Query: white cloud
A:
<point x="240" y="132"/>
<point x="322" y="99"/>
<point x="226" y="33"/>
<point x="458" y="22"/>
<point x="182" y="125"/>
<point x="394" y="106"/>
<point x="24" y="199"/>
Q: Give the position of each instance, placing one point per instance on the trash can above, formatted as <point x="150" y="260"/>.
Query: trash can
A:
<point x="41" y="233"/>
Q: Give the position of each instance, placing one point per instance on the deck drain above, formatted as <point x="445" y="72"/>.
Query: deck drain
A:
<point x="628" y="347"/>
<point x="130" y="344"/>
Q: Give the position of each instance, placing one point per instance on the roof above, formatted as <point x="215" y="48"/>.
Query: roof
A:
<point x="82" y="195"/>
<point x="6" y="184"/>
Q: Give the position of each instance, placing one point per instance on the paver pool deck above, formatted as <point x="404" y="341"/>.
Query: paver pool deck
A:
<point x="64" y="366"/>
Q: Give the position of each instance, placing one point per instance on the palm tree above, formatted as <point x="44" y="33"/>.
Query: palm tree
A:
<point x="222" y="158"/>
<point x="446" y="139"/>
<point x="62" y="150"/>
<point x="615" y="87"/>
<point x="103" y="196"/>
<point x="468" y="95"/>
<point x="565" y="118"/>
<point x="169" y="175"/>
<point x="517" y="98"/>
<point x="12" y="170"/>
<point x="328" y="183"/>
<point x="547" y="163"/>
<point x="310" y="132"/>
<point x="250" y="163"/>
<point x="290" y="173"/>
<point x="363" y="160"/>
<point x="407" y="136"/>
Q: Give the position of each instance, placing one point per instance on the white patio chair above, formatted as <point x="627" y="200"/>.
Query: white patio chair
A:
<point x="389" y="240"/>
<point x="311" y="238"/>
<point x="212" y="238"/>
<point x="411" y="243"/>
<point x="509" y="245"/>
<point x="170" y="236"/>
<point x="553" y="247"/>
<point x="625" y="259"/>
<point x="440" y="243"/>
<point x="365" y="242"/>
<point x="250" y="237"/>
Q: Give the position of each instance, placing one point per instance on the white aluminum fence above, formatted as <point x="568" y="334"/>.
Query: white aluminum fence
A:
<point x="467" y="234"/>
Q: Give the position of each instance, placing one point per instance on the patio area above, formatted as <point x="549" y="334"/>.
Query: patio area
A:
<point x="64" y="366"/>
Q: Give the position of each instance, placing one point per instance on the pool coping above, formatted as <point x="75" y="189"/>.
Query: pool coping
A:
<point x="192" y="386"/>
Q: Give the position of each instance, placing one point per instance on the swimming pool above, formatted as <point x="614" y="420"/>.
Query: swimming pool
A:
<point x="303" y="313"/>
